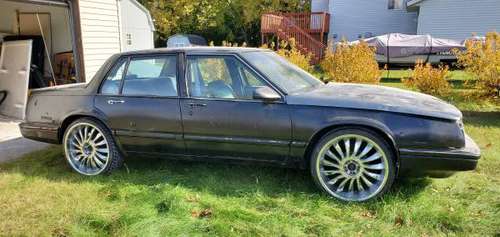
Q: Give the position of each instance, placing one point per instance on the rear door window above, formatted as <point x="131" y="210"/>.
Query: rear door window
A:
<point x="151" y="76"/>
<point x="112" y="83"/>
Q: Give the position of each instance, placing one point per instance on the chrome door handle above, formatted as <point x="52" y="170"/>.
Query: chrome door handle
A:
<point x="197" y="105"/>
<point x="112" y="102"/>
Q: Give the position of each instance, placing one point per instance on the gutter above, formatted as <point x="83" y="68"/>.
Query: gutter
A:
<point x="412" y="3"/>
<point x="56" y="3"/>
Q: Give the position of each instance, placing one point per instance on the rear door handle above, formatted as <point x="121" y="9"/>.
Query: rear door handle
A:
<point x="197" y="105"/>
<point x="112" y="102"/>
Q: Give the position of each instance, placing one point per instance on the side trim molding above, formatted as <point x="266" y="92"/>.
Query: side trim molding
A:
<point x="236" y="140"/>
<point x="159" y="135"/>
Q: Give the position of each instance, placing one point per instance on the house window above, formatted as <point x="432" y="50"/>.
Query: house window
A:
<point x="396" y="4"/>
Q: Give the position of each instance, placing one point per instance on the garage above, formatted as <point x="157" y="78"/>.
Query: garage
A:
<point x="52" y="43"/>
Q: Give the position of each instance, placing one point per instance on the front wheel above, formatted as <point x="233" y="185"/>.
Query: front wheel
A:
<point x="90" y="149"/>
<point x="353" y="165"/>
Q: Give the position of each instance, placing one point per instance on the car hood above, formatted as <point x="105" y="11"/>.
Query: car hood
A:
<point x="379" y="98"/>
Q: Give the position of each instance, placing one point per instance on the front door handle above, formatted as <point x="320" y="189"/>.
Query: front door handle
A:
<point x="197" y="105"/>
<point x="112" y="102"/>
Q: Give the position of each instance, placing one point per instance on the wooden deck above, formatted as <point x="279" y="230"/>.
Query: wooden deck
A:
<point x="310" y="30"/>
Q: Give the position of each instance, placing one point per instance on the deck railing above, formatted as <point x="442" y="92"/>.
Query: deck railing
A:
<point x="314" y="22"/>
<point x="301" y="27"/>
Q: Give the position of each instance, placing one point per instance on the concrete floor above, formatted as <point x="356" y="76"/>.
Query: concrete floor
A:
<point x="12" y="144"/>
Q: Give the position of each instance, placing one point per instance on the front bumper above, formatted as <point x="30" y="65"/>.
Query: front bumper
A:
<point x="439" y="163"/>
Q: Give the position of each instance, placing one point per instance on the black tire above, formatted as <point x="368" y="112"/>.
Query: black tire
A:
<point x="326" y="170"/>
<point x="114" y="157"/>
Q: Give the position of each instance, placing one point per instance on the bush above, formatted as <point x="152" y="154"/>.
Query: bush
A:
<point x="351" y="63"/>
<point x="482" y="60"/>
<point x="429" y="80"/>
<point x="289" y="50"/>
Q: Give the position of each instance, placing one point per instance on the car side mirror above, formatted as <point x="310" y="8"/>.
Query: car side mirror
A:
<point x="266" y="94"/>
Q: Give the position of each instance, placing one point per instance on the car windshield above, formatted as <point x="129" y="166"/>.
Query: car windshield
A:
<point x="284" y="74"/>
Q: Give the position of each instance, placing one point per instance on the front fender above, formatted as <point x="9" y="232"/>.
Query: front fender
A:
<point x="309" y="125"/>
<point x="364" y="123"/>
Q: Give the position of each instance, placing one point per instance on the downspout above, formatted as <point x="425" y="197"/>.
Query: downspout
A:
<point x="120" y="29"/>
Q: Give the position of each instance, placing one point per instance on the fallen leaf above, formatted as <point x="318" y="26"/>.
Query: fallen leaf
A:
<point x="195" y="198"/>
<point x="202" y="214"/>
<point x="368" y="214"/>
<point x="398" y="221"/>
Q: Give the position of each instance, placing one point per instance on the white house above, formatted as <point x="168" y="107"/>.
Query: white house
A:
<point x="354" y="19"/>
<point x="456" y="19"/>
<point x="453" y="19"/>
<point x="58" y="33"/>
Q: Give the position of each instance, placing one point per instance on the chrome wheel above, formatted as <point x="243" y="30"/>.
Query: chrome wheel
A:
<point x="352" y="167"/>
<point x="87" y="149"/>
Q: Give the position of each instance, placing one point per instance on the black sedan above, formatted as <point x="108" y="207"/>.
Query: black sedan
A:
<point x="252" y="105"/>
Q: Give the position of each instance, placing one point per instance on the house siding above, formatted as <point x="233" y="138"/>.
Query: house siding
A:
<point x="319" y="5"/>
<point x="458" y="19"/>
<point x="100" y="28"/>
<point x="352" y="18"/>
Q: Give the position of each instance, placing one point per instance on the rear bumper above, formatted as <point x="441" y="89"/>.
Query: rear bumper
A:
<point x="40" y="132"/>
<point x="439" y="163"/>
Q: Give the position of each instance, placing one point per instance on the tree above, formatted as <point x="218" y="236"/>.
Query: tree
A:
<point x="216" y="20"/>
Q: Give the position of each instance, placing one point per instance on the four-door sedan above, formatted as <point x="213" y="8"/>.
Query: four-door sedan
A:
<point x="252" y="105"/>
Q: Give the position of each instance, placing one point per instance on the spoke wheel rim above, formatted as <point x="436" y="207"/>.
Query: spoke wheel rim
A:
<point x="352" y="167"/>
<point x="87" y="149"/>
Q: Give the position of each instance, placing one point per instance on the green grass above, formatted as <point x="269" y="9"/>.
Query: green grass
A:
<point x="457" y="75"/>
<point x="41" y="196"/>
<point x="459" y="96"/>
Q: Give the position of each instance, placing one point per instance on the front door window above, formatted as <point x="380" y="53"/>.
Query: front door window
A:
<point x="221" y="77"/>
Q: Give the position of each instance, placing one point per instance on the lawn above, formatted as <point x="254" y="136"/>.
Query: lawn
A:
<point x="40" y="195"/>
<point x="457" y="75"/>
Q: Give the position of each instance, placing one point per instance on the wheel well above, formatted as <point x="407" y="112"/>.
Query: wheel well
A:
<point x="315" y="139"/>
<point x="67" y="121"/>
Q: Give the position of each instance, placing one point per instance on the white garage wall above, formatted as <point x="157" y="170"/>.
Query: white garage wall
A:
<point x="100" y="33"/>
<point x="137" y="26"/>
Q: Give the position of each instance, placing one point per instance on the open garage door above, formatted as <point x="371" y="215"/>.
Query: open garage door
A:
<point x="14" y="76"/>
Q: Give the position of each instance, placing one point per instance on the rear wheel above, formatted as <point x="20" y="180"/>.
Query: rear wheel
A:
<point x="353" y="165"/>
<point x="90" y="149"/>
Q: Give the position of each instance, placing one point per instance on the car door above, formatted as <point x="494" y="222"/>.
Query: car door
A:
<point x="220" y="117"/>
<point x="139" y="98"/>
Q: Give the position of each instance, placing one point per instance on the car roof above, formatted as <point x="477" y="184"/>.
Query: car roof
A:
<point x="196" y="50"/>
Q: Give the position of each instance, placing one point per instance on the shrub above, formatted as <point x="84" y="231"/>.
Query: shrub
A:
<point x="351" y="63"/>
<point x="290" y="51"/>
<point x="429" y="80"/>
<point x="482" y="60"/>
